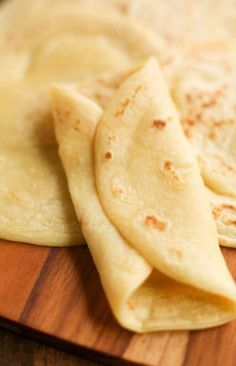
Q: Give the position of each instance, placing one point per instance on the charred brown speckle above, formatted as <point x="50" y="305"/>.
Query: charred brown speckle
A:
<point x="217" y="211"/>
<point x="127" y="102"/>
<point x="168" y="165"/>
<point x="153" y="222"/>
<point x="108" y="155"/>
<point x="176" y="253"/>
<point x="199" y="100"/>
<point x="159" y="124"/>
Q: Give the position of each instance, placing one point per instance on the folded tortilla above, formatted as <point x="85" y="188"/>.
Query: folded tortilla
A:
<point x="200" y="52"/>
<point x="200" y="135"/>
<point x="198" y="58"/>
<point x="49" y="45"/>
<point x="149" y="246"/>
<point x="197" y="41"/>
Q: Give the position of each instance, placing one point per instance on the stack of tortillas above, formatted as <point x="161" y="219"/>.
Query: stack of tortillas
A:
<point x="144" y="115"/>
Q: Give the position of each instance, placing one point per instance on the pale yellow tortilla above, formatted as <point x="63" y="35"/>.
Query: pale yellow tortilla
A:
<point x="198" y="59"/>
<point x="37" y="50"/>
<point x="142" y="299"/>
<point x="205" y="96"/>
<point x="212" y="136"/>
<point x="224" y="213"/>
<point x="149" y="182"/>
<point x="198" y="52"/>
<point x="49" y="45"/>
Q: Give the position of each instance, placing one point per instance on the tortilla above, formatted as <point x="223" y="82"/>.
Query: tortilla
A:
<point x="204" y="88"/>
<point x="199" y="133"/>
<point x="141" y="297"/>
<point x="224" y="213"/>
<point x="36" y="50"/>
<point x="205" y="96"/>
<point x="146" y="172"/>
<point x="198" y="59"/>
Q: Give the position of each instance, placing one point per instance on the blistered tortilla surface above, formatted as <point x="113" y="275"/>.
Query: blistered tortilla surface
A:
<point x="141" y="297"/>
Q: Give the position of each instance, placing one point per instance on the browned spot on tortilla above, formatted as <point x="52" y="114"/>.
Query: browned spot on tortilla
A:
<point x="187" y="132"/>
<point x="230" y="222"/>
<point x="214" y="129"/>
<point x="123" y="8"/>
<point x="217" y="211"/>
<point x="154" y="223"/>
<point x="124" y="105"/>
<point x="108" y="155"/>
<point x="193" y="118"/>
<point x="127" y="102"/>
<point x="199" y="100"/>
<point x="212" y="135"/>
<point x="228" y="206"/>
<point x="168" y="165"/>
<point x="176" y="252"/>
<point x="61" y="114"/>
<point x="204" y="98"/>
<point x="117" y="191"/>
<point x="159" y="124"/>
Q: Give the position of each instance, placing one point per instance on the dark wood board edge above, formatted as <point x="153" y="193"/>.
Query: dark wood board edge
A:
<point x="63" y="345"/>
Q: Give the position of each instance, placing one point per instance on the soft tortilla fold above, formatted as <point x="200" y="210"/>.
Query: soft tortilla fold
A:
<point x="198" y="59"/>
<point x="200" y="135"/>
<point x="49" y="45"/>
<point x="147" y="175"/>
<point x="154" y="280"/>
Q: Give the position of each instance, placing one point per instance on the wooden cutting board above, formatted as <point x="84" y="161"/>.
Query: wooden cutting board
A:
<point x="55" y="294"/>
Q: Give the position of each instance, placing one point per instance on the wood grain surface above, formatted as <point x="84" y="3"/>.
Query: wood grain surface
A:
<point x="17" y="350"/>
<point x="55" y="295"/>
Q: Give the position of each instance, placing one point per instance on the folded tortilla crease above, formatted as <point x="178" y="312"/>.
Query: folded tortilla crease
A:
<point x="150" y="185"/>
<point x="146" y="292"/>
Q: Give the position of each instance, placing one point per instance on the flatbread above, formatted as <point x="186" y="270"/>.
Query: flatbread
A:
<point x="141" y="297"/>
<point x="207" y="109"/>
<point x="189" y="20"/>
<point x="145" y="174"/>
<point x="201" y="36"/>
<point x="224" y="213"/>
<point x="45" y="47"/>
<point x="205" y="96"/>
<point x="198" y="59"/>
